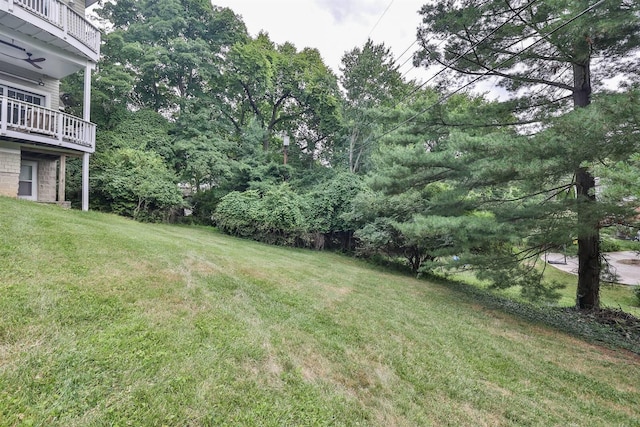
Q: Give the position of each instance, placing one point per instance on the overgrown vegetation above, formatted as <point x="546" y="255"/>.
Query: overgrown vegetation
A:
<point x="107" y="321"/>
<point x="384" y="168"/>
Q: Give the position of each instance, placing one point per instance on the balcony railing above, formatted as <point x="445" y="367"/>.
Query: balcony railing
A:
<point x="38" y="124"/>
<point x="63" y="17"/>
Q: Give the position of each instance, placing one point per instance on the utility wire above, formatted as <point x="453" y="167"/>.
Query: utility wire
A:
<point x="469" y="49"/>
<point x="408" y="58"/>
<point x="380" y="19"/>
<point x="445" y="97"/>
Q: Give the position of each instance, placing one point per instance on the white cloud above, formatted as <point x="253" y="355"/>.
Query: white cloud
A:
<point x="345" y="10"/>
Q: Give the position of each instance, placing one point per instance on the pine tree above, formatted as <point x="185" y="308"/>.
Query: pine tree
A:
<point x="544" y="54"/>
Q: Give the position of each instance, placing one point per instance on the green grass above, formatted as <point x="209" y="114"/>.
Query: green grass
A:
<point x="612" y="296"/>
<point x="105" y="322"/>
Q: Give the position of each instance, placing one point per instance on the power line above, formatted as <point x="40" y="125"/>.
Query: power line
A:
<point x="380" y="19"/>
<point x="445" y="97"/>
<point x="469" y="49"/>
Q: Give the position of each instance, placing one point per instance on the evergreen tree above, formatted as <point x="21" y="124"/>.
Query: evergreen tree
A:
<point x="544" y="54"/>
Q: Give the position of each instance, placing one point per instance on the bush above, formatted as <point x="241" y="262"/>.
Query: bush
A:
<point x="328" y="203"/>
<point x="607" y="245"/>
<point x="636" y="292"/>
<point x="204" y="204"/>
<point x="237" y="213"/>
<point x="275" y="217"/>
<point x="136" y="184"/>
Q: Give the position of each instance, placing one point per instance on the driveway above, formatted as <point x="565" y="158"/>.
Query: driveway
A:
<point x="626" y="265"/>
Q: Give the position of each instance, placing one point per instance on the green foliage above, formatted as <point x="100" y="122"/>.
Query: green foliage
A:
<point x="330" y="200"/>
<point x="136" y="184"/>
<point x="143" y="130"/>
<point x="610" y="245"/>
<point x="415" y="208"/>
<point x="545" y="79"/>
<point x="387" y="225"/>
<point x="280" y="90"/>
<point x="474" y="37"/>
<point x="237" y="213"/>
<point x="636" y="293"/>
<point x="171" y="47"/>
<point x="371" y="81"/>
<point x="275" y="216"/>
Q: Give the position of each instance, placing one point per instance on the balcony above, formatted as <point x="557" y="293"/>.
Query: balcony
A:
<point x="55" y="18"/>
<point x="28" y="122"/>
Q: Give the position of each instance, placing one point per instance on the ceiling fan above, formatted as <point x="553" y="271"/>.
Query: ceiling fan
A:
<point x="29" y="59"/>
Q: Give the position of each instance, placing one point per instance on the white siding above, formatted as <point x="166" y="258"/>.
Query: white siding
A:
<point x="51" y="88"/>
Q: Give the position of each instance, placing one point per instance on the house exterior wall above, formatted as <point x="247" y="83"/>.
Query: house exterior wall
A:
<point x="43" y="134"/>
<point x="78" y="6"/>
<point x="9" y="169"/>
<point x="51" y="88"/>
<point x="47" y="180"/>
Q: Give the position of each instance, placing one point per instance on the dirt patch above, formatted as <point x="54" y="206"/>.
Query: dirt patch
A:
<point x="630" y="261"/>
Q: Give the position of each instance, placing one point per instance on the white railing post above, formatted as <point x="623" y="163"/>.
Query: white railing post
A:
<point x="65" y="25"/>
<point x="4" y="113"/>
<point x="60" y="130"/>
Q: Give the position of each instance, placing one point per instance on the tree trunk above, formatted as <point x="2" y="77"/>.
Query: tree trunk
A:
<point x="588" y="292"/>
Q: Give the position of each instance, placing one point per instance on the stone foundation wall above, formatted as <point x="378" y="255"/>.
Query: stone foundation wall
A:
<point x="9" y="171"/>
<point x="47" y="170"/>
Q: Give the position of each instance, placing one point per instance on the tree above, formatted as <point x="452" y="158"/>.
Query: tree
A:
<point x="171" y="47"/>
<point x="329" y="201"/>
<point x="544" y="55"/>
<point x="416" y="206"/>
<point x="371" y="81"/>
<point x="281" y="90"/>
<point x="135" y="183"/>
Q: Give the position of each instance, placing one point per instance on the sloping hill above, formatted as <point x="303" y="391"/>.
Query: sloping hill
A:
<point x="104" y="321"/>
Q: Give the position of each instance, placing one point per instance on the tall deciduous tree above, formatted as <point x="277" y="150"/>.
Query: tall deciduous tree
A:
<point x="172" y="47"/>
<point x="545" y="55"/>
<point x="282" y="90"/>
<point x="371" y="80"/>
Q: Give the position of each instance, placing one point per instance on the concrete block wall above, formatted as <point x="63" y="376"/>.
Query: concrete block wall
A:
<point x="47" y="170"/>
<point x="9" y="171"/>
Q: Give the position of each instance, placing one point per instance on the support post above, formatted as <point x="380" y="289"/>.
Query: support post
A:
<point x="86" y="104"/>
<point x="85" y="181"/>
<point x="62" y="179"/>
<point x="86" y="115"/>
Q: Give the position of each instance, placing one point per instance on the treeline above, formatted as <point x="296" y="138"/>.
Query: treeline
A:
<point x="193" y="116"/>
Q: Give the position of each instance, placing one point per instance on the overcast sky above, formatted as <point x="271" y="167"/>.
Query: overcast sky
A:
<point x="335" y="26"/>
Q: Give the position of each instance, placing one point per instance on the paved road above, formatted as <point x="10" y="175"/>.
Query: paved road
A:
<point x="625" y="264"/>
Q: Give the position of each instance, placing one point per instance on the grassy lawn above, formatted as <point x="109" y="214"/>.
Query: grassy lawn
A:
<point x="108" y="322"/>
<point x="612" y="296"/>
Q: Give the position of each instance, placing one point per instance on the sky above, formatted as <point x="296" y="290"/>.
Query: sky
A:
<point x="335" y="26"/>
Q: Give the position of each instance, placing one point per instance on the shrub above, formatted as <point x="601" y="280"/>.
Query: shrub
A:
<point x="274" y="217"/>
<point x="136" y="184"/>
<point x="607" y="245"/>
<point x="237" y="213"/>
<point x="328" y="204"/>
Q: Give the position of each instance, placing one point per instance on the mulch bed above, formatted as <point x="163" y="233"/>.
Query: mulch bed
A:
<point x="625" y="325"/>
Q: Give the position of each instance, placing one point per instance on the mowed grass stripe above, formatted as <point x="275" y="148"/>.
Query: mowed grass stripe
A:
<point x="105" y="321"/>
